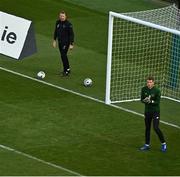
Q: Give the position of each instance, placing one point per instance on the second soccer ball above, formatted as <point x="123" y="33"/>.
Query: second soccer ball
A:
<point x="87" y="82"/>
<point x="41" y="75"/>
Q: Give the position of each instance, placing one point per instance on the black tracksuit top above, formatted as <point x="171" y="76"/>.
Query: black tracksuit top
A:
<point x="64" y="32"/>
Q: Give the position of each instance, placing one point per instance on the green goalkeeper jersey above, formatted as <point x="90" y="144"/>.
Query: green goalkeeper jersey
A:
<point x="155" y="94"/>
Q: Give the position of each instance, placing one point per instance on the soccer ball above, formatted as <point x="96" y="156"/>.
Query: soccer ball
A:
<point x="87" y="82"/>
<point x="41" y="75"/>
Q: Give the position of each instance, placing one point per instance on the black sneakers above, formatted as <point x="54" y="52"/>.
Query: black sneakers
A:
<point x="68" y="70"/>
<point x="66" y="73"/>
<point x="146" y="147"/>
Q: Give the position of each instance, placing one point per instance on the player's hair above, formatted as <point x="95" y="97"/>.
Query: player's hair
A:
<point x="150" y="78"/>
<point x="63" y="12"/>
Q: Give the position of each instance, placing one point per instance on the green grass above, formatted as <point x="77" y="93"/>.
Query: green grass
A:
<point x="166" y="106"/>
<point x="118" y="5"/>
<point x="15" y="165"/>
<point x="79" y="134"/>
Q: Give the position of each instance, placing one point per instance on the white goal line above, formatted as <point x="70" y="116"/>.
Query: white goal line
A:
<point x="138" y="99"/>
<point x="85" y="96"/>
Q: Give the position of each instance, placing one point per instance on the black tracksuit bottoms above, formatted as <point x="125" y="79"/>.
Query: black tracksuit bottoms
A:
<point x="63" y="48"/>
<point x="148" y="119"/>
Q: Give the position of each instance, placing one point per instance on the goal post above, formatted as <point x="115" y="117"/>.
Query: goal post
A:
<point x="138" y="47"/>
<point x="109" y="59"/>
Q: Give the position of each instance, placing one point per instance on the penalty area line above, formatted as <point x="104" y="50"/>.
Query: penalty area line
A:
<point x="85" y="96"/>
<point x="40" y="160"/>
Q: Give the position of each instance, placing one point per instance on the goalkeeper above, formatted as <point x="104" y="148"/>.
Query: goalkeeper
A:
<point x="150" y="96"/>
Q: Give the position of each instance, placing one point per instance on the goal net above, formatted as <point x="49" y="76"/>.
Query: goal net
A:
<point x="141" y="44"/>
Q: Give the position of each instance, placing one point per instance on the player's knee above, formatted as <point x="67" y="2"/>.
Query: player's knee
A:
<point x="156" y="128"/>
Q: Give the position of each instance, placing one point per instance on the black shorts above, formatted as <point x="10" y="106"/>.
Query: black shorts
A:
<point x="152" y="115"/>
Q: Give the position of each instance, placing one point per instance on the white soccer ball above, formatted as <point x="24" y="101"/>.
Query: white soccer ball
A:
<point x="87" y="82"/>
<point x="41" y="75"/>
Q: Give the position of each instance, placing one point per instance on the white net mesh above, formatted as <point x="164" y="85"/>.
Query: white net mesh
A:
<point x="167" y="16"/>
<point x="139" y="51"/>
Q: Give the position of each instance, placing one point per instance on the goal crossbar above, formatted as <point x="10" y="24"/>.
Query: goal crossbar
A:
<point x="152" y="25"/>
<point x="145" y="23"/>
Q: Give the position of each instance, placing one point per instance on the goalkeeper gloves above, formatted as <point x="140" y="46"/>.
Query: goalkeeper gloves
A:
<point x="147" y="100"/>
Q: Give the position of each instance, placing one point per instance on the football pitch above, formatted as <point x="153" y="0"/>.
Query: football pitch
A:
<point x="59" y="127"/>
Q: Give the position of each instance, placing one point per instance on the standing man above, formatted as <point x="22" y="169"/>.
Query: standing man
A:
<point x="65" y="35"/>
<point x="177" y="2"/>
<point x="150" y="96"/>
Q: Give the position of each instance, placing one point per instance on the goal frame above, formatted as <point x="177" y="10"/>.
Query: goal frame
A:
<point x="109" y="49"/>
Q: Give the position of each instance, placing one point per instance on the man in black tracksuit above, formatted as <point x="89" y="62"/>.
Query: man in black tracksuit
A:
<point x="150" y="96"/>
<point x="65" y="35"/>
<point x="178" y="4"/>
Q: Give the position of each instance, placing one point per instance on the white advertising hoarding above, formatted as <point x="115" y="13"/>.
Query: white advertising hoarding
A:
<point x="13" y="35"/>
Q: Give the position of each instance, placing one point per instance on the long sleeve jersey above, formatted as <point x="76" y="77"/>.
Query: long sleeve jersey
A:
<point x="64" y="32"/>
<point x="155" y="95"/>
